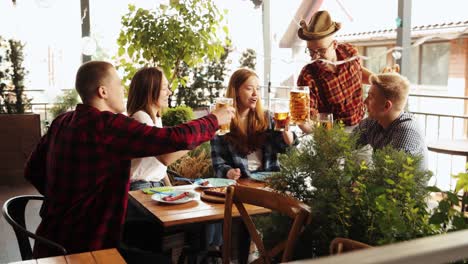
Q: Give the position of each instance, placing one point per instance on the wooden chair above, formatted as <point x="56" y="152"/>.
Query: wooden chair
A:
<point x="341" y="245"/>
<point x="240" y="195"/>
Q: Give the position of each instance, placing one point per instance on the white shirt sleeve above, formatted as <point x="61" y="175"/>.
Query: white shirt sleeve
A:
<point x="148" y="168"/>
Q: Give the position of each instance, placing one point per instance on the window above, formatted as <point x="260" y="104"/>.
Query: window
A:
<point x="413" y="75"/>
<point x="377" y="58"/>
<point x="434" y="63"/>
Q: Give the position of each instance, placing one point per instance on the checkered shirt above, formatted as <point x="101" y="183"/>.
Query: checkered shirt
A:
<point x="339" y="93"/>
<point x="82" y="167"/>
<point x="403" y="134"/>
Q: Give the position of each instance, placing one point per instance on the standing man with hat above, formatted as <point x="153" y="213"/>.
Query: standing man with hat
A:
<point x="334" y="87"/>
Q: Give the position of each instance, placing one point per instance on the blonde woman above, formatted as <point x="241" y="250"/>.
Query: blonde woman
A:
<point x="148" y="94"/>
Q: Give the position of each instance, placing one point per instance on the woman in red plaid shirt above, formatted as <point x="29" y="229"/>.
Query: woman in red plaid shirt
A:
<point x="82" y="164"/>
<point x="335" y="75"/>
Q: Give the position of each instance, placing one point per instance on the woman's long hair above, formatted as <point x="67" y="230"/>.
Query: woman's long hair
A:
<point x="246" y="140"/>
<point x="144" y="91"/>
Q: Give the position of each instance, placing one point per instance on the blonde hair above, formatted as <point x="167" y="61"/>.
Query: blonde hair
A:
<point x="144" y="91"/>
<point x="392" y="86"/>
<point x="251" y="138"/>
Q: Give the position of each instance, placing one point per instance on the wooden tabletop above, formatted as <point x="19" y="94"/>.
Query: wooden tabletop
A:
<point x="198" y="211"/>
<point x="450" y="146"/>
<point x="110" y="256"/>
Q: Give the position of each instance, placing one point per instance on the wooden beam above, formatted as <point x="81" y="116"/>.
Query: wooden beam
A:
<point x="85" y="26"/>
<point x="404" y="35"/>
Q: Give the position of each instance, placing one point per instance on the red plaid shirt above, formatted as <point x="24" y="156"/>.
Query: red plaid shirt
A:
<point x="339" y="93"/>
<point x="82" y="167"/>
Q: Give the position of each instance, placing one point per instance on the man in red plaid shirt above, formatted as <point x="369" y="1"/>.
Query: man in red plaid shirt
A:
<point x="335" y="87"/>
<point x="82" y="164"/>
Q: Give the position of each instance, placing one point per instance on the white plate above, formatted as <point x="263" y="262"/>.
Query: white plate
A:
<point x="214" y="182"/>
<point x="192" y="196"/>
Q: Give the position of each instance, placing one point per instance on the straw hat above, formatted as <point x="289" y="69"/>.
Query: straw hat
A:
<point x="320" y="26"/>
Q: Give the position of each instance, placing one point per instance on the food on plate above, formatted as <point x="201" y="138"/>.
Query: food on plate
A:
<point x="171" y="198"/>
<point x="217" y="191"/>
<point x="204" y="183"/>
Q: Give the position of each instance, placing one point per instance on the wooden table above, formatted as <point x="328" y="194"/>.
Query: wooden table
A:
<point x="195" y="212"/>
<point x="110" y="256"/>
<point x="450" y="146"/>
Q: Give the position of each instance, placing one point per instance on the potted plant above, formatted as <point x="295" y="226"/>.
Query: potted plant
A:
<point x="197" y="163"/>
<point x="19" y="130"/>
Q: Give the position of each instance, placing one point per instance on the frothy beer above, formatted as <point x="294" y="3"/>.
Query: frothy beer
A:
<point x="226" y="128"/>
<point x="327" y="124"/>
<point x="222" y="102"/>
<point x="299" y="106"/>
<point x="280" y="120"/>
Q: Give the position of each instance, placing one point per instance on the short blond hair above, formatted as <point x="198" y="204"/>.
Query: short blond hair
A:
<point x="392" y="86"/>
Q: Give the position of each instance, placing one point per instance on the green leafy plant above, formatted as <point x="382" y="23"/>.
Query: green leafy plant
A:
<point x="376" y="202"/>
<point x="206" y="82"/>
<point x="197" y="163"/>
<point x="186" y="31"/>
<point x="450" y="214"/>
<point x="177" y="115"/>
<point x="12" y="74"/>
<point x="64" y="103"/>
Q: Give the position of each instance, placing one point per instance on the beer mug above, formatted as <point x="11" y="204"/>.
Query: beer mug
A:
<point x="220" y="103"/>
<point x="280" y="110"/>
<point x="299" y="104"/>
<point x="325" y="120"/>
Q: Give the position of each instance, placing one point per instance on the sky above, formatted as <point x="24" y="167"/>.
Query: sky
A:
<point x="51" y="29"/>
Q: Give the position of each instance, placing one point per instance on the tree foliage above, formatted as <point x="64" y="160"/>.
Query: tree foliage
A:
<point x="12" y="74"/>
<point x="184" y="32"/>
<point x="206" y="82"/>
<point x="64" y="103"/>
<point x="248" y="59"/>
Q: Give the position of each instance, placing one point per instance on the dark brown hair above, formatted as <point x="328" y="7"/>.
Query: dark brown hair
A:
<point x="144" y="91"/>
<point x="90" y="76"/>
<point x="246" y="141"/>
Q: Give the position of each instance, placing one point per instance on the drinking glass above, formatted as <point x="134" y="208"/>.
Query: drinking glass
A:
<point x="299" y="104"/>
<point x="280" y="110"/>
<point x="325" y="120"/>
<point x="221" y="102"/>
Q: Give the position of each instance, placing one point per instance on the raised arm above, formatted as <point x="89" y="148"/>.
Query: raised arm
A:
<point x="365" y="75"/>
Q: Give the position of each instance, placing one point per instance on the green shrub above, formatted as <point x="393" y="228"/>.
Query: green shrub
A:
<point x="177" y="115"/>
<point x="376" y="202"/>
<point x="64" y="103"/>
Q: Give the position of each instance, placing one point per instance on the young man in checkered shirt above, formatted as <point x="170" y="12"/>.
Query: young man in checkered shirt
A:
<point x="335" y="75"/>
<point x="387" y="123"/>
<point x="82" y="164"/>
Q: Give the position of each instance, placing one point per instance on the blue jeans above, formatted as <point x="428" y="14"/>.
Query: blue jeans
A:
<point x="138" y="185"/>
<point x="214" y="234"/>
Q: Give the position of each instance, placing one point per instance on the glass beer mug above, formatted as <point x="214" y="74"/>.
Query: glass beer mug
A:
<point x="280" y="110"/>
<point x="299" y="104"/>
<point x="220" y="103"/>
<point x="325" y="120"/>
